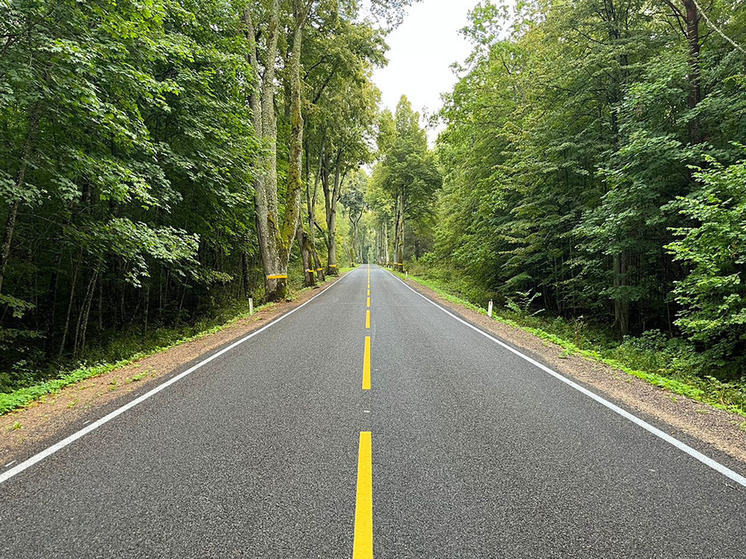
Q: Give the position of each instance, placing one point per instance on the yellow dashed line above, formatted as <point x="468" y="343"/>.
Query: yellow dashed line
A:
<point x="366" y="364"/>
<point x="362" y="547"/>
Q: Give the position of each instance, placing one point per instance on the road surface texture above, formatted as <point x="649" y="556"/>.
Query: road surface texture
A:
<point x="269" y="449"/>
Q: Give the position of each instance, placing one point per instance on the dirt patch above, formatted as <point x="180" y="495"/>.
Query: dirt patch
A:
<point x="723" y="430"/>
<point x="26" y="431"/>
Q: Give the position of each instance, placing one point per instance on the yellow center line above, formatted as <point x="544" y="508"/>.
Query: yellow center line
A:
<point x="366" y="364"/>
<point x="362" y="547"/>
<point x="368" y="301"/>
<point x="369" y="292"/>
<point x="367" y="319"/>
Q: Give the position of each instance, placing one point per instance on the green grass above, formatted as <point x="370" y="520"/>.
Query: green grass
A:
<point x="158" y="341"/>
<point x="668" y="363"/>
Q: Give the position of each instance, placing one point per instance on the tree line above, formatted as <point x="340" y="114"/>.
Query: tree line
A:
<point x="594" y="166"/>
<point x="161" y="158"/>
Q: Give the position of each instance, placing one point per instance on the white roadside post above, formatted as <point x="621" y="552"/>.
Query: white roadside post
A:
<point x="251" y="306"/>
<point x="489" y="309"/>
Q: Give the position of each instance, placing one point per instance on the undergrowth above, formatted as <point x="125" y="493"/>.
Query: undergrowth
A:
<point x="124" y="350"/>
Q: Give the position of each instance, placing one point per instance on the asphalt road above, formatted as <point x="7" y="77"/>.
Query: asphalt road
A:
<point x="475" y="453"/>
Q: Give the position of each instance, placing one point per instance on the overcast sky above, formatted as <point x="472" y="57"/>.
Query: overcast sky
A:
<point x="422" y="50"/>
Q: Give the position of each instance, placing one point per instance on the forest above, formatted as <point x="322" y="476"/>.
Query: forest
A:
<point x="161" y="162"/>
<point x="594" y="169"/>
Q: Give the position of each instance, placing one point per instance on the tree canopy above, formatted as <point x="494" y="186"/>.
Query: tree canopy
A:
<point x="592" y="157"/>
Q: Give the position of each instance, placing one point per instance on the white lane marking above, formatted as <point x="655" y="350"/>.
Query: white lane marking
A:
<point x="119" y="411"/>
<point x="717" y="466"/>
<point x="9" y="464"/>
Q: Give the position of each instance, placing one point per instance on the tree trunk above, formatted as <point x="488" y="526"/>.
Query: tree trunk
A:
<point x="245" y="275"/>
<point x="396" y="230"/>
<point x="311" y="198"/>
<point x="353" y="235"/>
<point x="624" y="314"/>
<point x="400" y="252"/>
<point x="399" y="234"/>
<point x="10" y="222"/>
<point x="275" y="237"/>
<point x="332" y="268"/>
<point x="695" y="74"/>
<point x="386" y="256"/>
<point x="331" y="199"/>
<point x="291" y="218"/>
<point x="84" y="314"/>
<point x="52" y="303"/>
<point x="146" y="312"/>
<point x="621" y="304"/>
<point x="265" y="186"/>
<point x="308" y="271"/>
<point x="71" y="300"/>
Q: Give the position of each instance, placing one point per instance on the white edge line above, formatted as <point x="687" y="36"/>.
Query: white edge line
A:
<point x="717" y="466"/>
<point x="119" y="411"/>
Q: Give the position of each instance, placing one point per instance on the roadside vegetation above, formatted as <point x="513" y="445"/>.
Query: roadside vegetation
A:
<point x="128" y="349"/>
<point x="592" y="184"/>
<point x="161" y="162"/>
<point x="671" y="363"/>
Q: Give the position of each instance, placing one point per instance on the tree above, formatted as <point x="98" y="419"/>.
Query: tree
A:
<point x="408" y="171"/>
<point x="276" y="232"/>
<point x="124" y="167"/>
<point x="712" y="294"/>
<point x="568" y="141"/>
<point x="354" y="201"/>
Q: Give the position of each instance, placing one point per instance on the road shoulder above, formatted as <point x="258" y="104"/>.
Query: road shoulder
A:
<point x="26" y="431"/>
<point x="717" y="428"/>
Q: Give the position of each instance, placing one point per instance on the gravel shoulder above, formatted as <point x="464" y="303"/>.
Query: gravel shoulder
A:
<point x="697" y="422"/>
<point x="29" y="430"/>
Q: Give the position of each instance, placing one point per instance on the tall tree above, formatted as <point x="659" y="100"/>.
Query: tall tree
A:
<point x="408" y="171"/>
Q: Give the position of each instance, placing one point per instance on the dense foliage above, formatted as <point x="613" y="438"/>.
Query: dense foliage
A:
<point x="135" y="136"/>
<point x="403" y="186"/>
<point x="591" y="163"/>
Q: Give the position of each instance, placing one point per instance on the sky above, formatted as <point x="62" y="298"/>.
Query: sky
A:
<point x="422" y="50"/>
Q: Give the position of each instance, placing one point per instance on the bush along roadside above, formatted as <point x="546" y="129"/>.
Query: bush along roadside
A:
<point x="670" y="363"/>
<point x="27" y="395"/>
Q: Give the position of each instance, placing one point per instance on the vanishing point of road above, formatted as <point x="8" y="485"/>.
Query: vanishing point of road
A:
<point x="369" y="422"/>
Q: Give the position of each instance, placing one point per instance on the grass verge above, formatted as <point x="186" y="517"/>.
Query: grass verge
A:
<point x="657" y="368"/>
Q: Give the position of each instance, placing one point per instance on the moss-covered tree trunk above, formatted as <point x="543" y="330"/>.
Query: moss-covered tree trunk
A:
<point x="332" y="195"/>
<point x="275" y="236"/>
